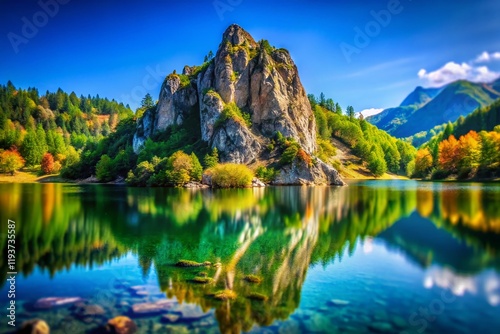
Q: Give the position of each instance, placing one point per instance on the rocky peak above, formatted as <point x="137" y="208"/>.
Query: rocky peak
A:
<point x="244" y="96"/>
<point x="236" y="35"/>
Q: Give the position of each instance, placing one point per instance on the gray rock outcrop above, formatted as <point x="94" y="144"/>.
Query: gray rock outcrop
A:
<point x="262" y="84"/>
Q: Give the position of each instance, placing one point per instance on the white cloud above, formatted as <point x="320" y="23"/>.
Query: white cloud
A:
<point x="452" y="71"/>
<point x="487" y="57"/>
<point x="370" y="111"/>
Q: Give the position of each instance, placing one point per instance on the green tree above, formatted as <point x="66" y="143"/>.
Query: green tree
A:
<point x="104" y="169"/>
<point x="147" y="101"/>
<point x="31" y="150"/>
<point x="212" y="159"/>
<point x="197" y="170"/>
<point x="350" y="112"/>
<point x="376" y="164"/>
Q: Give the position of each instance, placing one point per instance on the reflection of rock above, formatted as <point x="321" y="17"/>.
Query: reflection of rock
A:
<point x="153" y="308"/>
<point x="121" y="325"/>
<point x="50" y="302"/>
<point x="35" y="326"/>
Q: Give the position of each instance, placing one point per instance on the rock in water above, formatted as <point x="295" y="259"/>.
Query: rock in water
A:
<point x="50" y="302"/>
<point x="121" y="325"/>
<point x="35" y="326"/>
<point x="153" y="307"/>
<point x="259" y="81"/>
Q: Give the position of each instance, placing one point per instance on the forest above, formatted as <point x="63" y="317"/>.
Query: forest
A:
<point x="467" y="148"/>
<point x="80" y="137"/>
<point x="48" y="131"/>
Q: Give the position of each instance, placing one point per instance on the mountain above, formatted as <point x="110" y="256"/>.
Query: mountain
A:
<point x="425" y="108"/>
<point x="420" y="96"/>
<point x="240" y="100"/>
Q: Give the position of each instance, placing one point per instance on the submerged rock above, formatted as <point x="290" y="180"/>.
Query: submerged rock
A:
<point x="257" y="296"/>
<point x="153" y="307"/>
<point x="188" y="263"/>
<point x="202" y="280"/>
<point x="121" y="325"/>
<point x="338" y="302"/>
<point x="252" y="279"/>
<point x="225" y="295"/>
<point x="34" y="326"/>
<point x="50" y="302"/>
<point x="170" y="318"/>
<point x="87" y="313"/>
<point x="381" y="327"/>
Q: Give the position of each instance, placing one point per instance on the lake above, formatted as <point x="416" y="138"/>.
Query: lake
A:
<point x="376" y="256"/>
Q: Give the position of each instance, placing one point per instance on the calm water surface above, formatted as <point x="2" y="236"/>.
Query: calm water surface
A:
<point x="377" y="256"/>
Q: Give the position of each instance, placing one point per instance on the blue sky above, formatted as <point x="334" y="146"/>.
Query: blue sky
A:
<point x="123" y="49"/>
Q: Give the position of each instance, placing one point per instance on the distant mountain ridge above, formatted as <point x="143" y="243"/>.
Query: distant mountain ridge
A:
<point x="425" y="108"/>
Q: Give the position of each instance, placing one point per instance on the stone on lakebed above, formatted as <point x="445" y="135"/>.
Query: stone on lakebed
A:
<point x="338" y="302"/>
<point x="36" y="326"/>
<point x="50" y="302"/>
<point x="121" y="325"/>
<point x="152" y="308"/>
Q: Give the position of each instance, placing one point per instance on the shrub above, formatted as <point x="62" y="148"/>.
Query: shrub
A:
<point x="231" y="110"/>
<point x="231" y="175"/>
<point x="326" y="151"/>
<point x="264" y="44"/>
<point x="10" y="161"/>
<point x="304" y="157"/>
<point x="289" y="154"/>
<point x="57" y="167"/>
<point x="266" y="174"/>
<point x="182" y="168"/>
<point x="47" y="163"/>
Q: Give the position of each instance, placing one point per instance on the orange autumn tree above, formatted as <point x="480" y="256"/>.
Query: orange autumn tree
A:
<point x="10" y="161"/>
<point x="423" y="162"/>
<point x="449" y="154"/>
<point x="47" y="163"/>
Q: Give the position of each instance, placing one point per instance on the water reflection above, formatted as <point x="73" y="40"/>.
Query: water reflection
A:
<point x="275" y="233"/>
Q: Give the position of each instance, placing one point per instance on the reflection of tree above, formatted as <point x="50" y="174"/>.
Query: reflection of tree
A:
<point x="469" y="214"/>
<point x="463" y="224"/>
<point x="274" y="233"/>
<point x="53" y="231"/>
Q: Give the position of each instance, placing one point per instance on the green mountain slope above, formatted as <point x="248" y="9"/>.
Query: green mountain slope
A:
<point x="457" y="99"/>
<point x="420" y="96"/>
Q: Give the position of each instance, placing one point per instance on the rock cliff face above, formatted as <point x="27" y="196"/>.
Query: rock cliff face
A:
<point x="262" y="82"/>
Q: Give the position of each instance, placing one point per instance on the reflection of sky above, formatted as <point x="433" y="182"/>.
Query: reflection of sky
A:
<point x="486" y="283"/>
